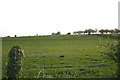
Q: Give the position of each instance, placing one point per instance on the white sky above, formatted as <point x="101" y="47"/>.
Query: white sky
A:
<point x="31" y="17"/>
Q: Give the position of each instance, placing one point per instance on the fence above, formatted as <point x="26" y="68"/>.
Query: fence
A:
<point x="76" y="72"/>
<point x="68" y="71"/>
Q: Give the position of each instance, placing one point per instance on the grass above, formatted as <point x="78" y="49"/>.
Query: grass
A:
<point x="54" y="66"/>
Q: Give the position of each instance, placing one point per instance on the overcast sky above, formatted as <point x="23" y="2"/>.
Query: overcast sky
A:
<point x="30" y="17"/>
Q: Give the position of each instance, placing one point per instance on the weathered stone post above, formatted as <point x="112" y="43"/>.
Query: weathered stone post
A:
<point x="15" y="62"/>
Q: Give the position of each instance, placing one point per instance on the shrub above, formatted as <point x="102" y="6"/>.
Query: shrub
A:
<point x="112" y="49"/>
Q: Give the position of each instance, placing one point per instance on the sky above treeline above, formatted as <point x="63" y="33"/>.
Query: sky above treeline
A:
<point x="42" y="17"/>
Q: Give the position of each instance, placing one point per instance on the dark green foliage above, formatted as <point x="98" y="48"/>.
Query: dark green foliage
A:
<point x="69" y="33"/>
<point x="53" y="33"/>
<point x="15" y="35"/>
<point x="89" y="31"/>
<point x="79" y="32"/>
<point x="15" y="62"/>
<point x="113" y="51"/>
<point x="116" y="31"/>
<point x="58" y="33"/>
<point x="118" y="56"/>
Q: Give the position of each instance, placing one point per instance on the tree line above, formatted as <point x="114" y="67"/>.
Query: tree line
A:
<point x="102" y="31"/>
<point x="88" y="31"/>
<point x="92" y="31"/>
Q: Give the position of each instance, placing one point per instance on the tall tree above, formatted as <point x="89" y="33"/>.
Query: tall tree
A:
<point x="58" y="33"/>
<point x="89" y="31"/>
<point x="116" y="31"/>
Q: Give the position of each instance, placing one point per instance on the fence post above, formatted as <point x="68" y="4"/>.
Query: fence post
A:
<point x="15" y="62"/>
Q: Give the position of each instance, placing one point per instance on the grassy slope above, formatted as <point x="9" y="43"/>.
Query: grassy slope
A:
<point x="54" y="44"/>
<point x="58" y="45"/>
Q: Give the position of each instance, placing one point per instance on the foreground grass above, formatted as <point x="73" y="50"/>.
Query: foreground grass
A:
<point x="78" y="66"/>
<point x="69" y="66"/>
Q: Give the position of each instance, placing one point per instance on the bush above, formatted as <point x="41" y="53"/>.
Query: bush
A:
<point x="112" y="49"/>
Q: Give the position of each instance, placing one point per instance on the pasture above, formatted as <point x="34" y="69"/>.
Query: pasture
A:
<point x="62" y="56"/>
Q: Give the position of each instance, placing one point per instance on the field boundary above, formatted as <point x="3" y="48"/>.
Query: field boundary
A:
<point x="60" y="54"/>
<point x="70" y="68"/>
<point x="67" y="65"/>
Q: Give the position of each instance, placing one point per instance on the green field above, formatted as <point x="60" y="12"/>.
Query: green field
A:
<point x="81" y="58"/>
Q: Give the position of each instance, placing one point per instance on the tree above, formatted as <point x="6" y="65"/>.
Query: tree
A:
<point x="96" y="30"/>
<point x="106" y="31"/>
<point x="116" y="31"/>
<point x="68" y="33"/>
<point x="15" y="35"/>
<point x="8" y="36"/>
<point x="36" y="34"/>
<point x="101" y="31"/>
<point x="85" y="31"/>
<point x="78" y="32"/>
<point x="75" y="32"/>
<point x="58" y="33"/>
<point x="53" y="33"/>
<point x="111" y="31"/>
<point x="89" y="31"/>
